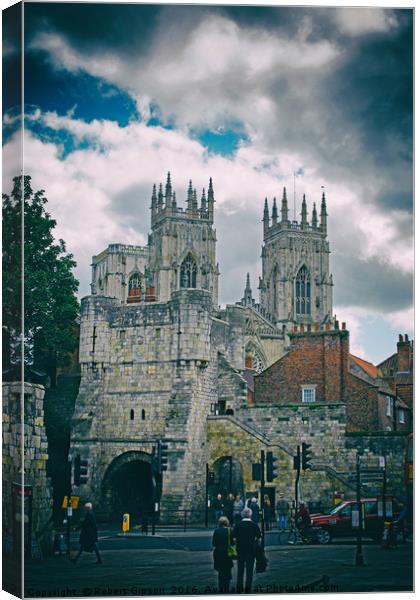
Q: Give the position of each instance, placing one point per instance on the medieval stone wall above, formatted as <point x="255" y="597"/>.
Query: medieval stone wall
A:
<point x="31" y="434"/>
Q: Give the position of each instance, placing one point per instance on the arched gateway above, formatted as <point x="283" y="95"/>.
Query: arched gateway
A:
<point x="127" y="486"/>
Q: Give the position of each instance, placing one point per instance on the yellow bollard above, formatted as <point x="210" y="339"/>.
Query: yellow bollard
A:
<point x="126" y="522"/>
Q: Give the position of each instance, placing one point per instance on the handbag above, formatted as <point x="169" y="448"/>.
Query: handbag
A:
<point x="261" y="561"/>
<point x="231" y="550"/>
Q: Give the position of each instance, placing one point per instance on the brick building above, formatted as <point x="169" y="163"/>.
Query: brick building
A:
<point x="319" y="369"/>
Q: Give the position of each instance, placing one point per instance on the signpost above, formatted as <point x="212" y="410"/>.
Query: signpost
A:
<point x="262" y="483"/>
<point x="360" y="562"/>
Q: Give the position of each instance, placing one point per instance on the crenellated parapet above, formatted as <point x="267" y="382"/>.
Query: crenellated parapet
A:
<point x="164" y="205"/>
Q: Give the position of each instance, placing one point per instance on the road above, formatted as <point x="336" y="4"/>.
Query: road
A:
<point x="180" y="563"/>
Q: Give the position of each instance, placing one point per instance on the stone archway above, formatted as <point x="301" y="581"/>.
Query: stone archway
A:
<point x="228" y="476"/>
<point x="128" y="486"/>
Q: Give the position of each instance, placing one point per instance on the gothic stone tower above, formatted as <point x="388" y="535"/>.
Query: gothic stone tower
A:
<point x="296" y="284"/>
<point x="150" y="349"/>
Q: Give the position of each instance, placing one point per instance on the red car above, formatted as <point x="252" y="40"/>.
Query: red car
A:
<point x="337" y="522"/>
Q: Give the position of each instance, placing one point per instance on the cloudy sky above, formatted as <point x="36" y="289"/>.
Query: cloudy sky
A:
<point x="117" y="95"/>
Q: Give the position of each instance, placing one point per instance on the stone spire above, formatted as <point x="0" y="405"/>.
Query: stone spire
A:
<point x="190" y="196"/>
<point x="195" y="205"/>
<point x="247" y="299"/>
<point x="203" y="203"/>
<point x="314" y="217"/>
<point x="274" y="214"/>
<point x="304" y="213"/>
<point x="154" y="202"/>
<point x="324" y="215"/>
<point x="284" y="207"/>
<point x="174" y="201"/>
<point x="210" y="200"/>
<point x="266" y="217"/>
<point x="168" y="190"/>
<point x="160" y="197"/>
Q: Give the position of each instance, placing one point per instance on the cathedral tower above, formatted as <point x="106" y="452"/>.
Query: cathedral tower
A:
<point x="296" y="284"/>
<point x="182" y="243"/>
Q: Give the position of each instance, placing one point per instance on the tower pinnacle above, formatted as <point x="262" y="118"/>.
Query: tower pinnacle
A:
<point x="274" y="214"/>
<point x="284" y="207"/>
<point x="168" y="190"/>
<point x="314" y="217"/>
<point x="304" y="213"/>
<point x="210" y="200"/>
<point x="266" y="217"/>
<point x="324" y="215"/>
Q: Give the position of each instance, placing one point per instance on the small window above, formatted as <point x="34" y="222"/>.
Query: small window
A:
<point x="158" y="332"/>
<point x="388" y="406"/>
<point x="143" y="414"/>
<point x="401" y="416"/>
<point x="308" y="394"/>
<point x="122" y="334"/>
<point x="132" y="414"/>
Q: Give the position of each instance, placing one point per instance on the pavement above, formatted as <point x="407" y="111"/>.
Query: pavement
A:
<point x="180" y="563"/>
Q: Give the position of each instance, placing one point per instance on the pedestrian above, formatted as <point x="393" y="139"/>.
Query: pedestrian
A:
<point x="218" y="507"/>
<point x="282" y="512"/>
<point x="303" y="520"/>
<point x="267" y="512"/>
<point x="88" y="535"/>
<point x="400" y="523"/>
<point x="255" y="509"/>
<point x="223" y="563"/>
<point x="228" y="508"/>
<point x="238" y="506"/>
<point x="246" y="535"/>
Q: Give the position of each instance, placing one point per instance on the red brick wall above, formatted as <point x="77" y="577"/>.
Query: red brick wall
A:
<point x="316" y="358"/>
<point x="362" y="405"/>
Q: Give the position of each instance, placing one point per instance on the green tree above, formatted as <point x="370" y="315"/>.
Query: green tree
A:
<point x="50" y="308"/>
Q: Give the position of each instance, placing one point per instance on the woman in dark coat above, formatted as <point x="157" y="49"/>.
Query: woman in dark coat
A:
<point x="222" y="562"/>
<point x="88" y="534"/>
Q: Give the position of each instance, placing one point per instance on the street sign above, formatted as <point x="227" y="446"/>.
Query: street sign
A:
<point x="74" y="502"/>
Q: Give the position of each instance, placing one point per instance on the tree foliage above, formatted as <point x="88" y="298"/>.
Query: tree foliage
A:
<point x="50" y="308"/>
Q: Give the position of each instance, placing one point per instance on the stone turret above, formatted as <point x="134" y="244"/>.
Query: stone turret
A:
<point x="168" y="191"/>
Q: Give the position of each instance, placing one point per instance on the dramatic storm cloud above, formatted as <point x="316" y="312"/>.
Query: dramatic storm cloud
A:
<point x="117" y="95"/>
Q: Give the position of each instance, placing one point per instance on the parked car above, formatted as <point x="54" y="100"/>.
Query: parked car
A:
<point x="337" y="522"/>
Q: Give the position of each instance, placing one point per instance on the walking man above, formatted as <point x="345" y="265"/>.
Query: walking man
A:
<point x="246" y="534"/>
<point x="88" y="535"/>
<point x="218" y="507"/>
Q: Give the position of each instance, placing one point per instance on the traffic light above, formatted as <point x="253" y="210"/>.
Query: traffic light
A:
<point x="80" y="470"/>
<point x="271" y="466"/>
<point x="162" y="457"/>
<point x="306" y="456"/>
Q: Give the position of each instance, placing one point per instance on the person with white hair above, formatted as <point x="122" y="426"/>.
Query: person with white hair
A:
<point x="246" y="535"/>
<point x="88" y="535"/>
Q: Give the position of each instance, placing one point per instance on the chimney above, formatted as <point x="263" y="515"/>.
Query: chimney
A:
<point x="343" y="326"/>
<point x="336" y="325"/>
<point x="404" y="354"/>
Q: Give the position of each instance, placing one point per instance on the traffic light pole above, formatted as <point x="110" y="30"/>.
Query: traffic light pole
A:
<point x="360" y="562"/>
<point x="69" y="506"/>
<point x="297" y="479"/>
<point x="206" y="508"/>
<point x="262" y="482"/>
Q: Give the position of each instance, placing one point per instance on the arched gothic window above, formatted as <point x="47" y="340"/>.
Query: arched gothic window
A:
<point x="303" y="292"/>
<point x="136" y="288"/>
<point x="189" y="273"/>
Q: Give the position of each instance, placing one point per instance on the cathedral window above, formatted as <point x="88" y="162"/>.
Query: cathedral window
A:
<point x="135" y="288"/>
<point x="189" y="273"/>
<point x="303" y="292"/>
